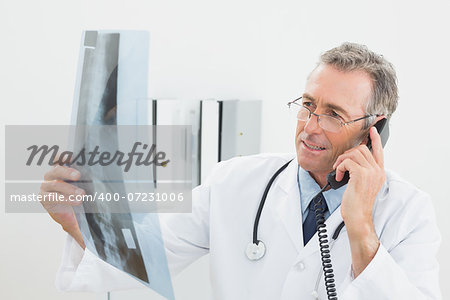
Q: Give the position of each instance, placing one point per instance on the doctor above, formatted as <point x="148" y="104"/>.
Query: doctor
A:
<point x="387" y="249"/>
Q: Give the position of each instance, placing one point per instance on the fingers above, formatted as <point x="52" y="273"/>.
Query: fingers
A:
<point x="52" y="192"/>
<point x="59" y="196"/>
<point x="346" y="165"/>
<point x="54" y="203"/>
<point x="58" y="160"/>
<point x="360" y="154"/>
<point x="377" y="147"/>
<point x="360" y="157"/>
<point x="61" y="187"/>
<point x="57" y="206"/>
<point x="62" y="173"/>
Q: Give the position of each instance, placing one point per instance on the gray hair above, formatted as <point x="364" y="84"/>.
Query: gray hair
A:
<point x="355" y="57"/>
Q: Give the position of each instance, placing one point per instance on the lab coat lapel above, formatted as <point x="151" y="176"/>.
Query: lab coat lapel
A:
<point x="288" y="203"/>
<point x="331" y="223"/>
<point x="287" y="195"/>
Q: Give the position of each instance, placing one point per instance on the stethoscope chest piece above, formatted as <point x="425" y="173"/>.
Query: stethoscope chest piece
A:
<point x="255" y="251"/>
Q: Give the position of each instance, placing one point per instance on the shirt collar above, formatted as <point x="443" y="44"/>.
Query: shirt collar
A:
<point x="309" y="188"/>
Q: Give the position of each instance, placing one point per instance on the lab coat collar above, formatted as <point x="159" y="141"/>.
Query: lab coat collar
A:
<point x="288" y="178"/>
<point x="287" y="193"/>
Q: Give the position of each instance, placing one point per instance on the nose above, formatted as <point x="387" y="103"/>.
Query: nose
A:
<point x="312" y="125"/>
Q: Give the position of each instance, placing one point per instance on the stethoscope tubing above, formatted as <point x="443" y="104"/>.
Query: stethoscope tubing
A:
<point x="257" y="249"/>
<point x="263" y="200"/>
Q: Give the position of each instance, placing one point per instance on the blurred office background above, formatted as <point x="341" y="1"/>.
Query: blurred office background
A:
<point x="200" y="49"/>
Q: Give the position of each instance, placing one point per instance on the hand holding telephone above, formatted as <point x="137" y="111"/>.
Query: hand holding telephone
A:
<point x="383" y="130"/>
<point x="382" y="127"/>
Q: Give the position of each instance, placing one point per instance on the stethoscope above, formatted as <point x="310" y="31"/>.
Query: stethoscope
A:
<point x="257" y="249"/>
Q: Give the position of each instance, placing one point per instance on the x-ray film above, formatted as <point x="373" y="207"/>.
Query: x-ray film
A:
<point x="112" y="76"/>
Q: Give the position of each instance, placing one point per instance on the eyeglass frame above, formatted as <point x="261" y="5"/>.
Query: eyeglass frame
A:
<point x="318" y="116"/>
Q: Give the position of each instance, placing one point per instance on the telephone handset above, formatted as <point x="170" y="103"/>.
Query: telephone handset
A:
<point x="382" y="127"/>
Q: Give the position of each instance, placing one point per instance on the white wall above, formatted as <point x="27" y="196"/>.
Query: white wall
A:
<point x="222" y="49"/>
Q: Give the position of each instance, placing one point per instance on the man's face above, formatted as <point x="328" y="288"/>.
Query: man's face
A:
<point x="332" y="92"/>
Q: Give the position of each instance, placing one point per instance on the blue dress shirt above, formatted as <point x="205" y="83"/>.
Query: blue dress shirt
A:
<point x="309" y="188"/>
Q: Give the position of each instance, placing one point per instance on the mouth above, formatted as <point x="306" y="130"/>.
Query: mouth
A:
<point x="312" y="147"/>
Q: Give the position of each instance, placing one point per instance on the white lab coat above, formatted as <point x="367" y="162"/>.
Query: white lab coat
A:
<point x="221" y="223"/>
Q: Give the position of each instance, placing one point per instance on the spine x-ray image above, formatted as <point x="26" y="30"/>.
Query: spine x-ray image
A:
<point x="112" y="76"/>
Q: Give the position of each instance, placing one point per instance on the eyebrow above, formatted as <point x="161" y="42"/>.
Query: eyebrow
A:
<point x="328" y="105"/>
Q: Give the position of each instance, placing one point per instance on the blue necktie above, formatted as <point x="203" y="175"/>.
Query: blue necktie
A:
<point x="310" y="226"/>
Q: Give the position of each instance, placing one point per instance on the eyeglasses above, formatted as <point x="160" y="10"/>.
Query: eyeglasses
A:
<point x="325" y="121"/>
